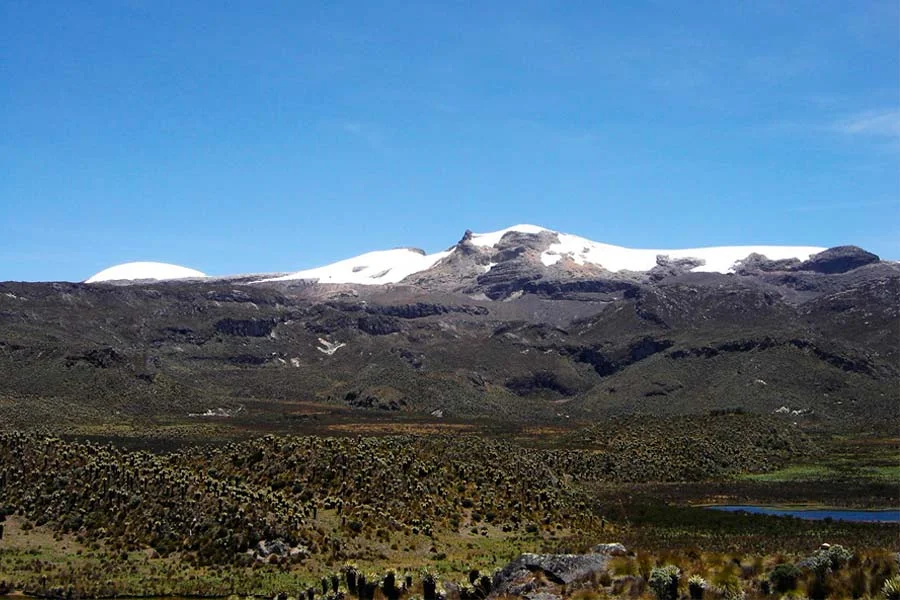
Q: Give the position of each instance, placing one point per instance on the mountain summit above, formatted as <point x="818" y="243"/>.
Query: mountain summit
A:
<point x="546" y="250"/>
<point x="539" y="250"/>
<point x="521" y="324"/>
<point x="144" y="271"/>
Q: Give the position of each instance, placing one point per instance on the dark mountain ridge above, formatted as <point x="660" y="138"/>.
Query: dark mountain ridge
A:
<point x="519" y="342"/>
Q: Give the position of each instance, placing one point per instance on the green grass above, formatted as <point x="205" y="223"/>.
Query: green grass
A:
<point x="38" y="559"/>
<point x="888" y="474"/>
<point x="808" y="473"/>
<point x="796" y="473"/>
<point x="870" y="460"/>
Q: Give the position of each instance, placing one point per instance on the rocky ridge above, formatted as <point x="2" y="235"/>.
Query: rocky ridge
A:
<point x="495" y="328"/>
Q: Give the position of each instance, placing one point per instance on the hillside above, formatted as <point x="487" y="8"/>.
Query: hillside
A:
<point x="522" y="341"/>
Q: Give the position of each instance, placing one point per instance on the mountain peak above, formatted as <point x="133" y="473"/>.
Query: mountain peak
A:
<point x="540" y="251"/>
<point x="537" y="251"/>
<point x="493" y="238"/>
<point x="137" y="271"/>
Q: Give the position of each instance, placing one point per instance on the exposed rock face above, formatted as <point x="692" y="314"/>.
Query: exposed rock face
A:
<point x="378" y="324"/>
<point x="240" y="296"/>
<point x="839" y="259"/>
<point x="179" y="334"/>
<point x="248" y="359"/>
<point x="102" y="358"/>
<point x="424" y="309"/>
<point x="756" y="263"/>
<point x="849" y="362"/>
<point x="496" y="271"/>
<point x="246" y="327"/>
<point x="538" y="381"/>
<point x="668" y="267"/>
<point x="518" y="242"/>
<point x="607" y="363"/>
<point x="385" y="400"/>
<point x="559" y="288"/>
<point x="514" y="265"/>
<point x="505" y="278"/>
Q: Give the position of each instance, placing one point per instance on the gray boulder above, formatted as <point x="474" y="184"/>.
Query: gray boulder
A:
<point x="543" y="596"/>
<point x="561" y="569"/>
<point x="277" y="547"/>
<point x="614" y="549"/>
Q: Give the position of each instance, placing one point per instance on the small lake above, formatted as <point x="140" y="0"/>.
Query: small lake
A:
<point x="818" y="514"/>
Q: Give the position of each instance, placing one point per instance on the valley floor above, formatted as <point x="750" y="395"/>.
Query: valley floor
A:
<point x="431" y="507"/>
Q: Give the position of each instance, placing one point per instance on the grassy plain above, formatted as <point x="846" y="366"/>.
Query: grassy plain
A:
<point x="463" y="471"/>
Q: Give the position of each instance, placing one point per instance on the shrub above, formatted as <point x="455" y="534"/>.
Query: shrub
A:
<point x="389" y="586"/>
<point x="823" y="564"/>
<point x="728" y="586"/>
<point x="732" y="590"/>
<point x="784" y="578"/>
<point x="891" y="588"/>
<point x="664" y="582"/>
<point x="429" y="586"/>
<point x="696" y="585"/>
<point x="826" y="560"/>
<point x="351" y="573"/>
<point x="622" y="565"/>
<point x="838" y="556"/>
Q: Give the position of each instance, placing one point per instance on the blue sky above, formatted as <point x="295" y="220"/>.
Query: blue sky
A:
<point x="251" y="136"/>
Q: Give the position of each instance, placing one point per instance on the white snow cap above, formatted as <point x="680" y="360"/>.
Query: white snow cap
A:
<point x="580" y="250"/>
<point x="392" y="266"/>
<point x="372" y="268"/>
<point x="135" y="271"/>
<point x="493" y="238"/>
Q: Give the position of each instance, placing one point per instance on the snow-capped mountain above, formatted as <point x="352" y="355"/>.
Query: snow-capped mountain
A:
<point x="141" y="271"/>
<point x="371" y="268"/>
<point x="519" y="323"/>
<point x="582" y="251"/>
<point x="536" y="249"/>
<point x="479" y="253"/>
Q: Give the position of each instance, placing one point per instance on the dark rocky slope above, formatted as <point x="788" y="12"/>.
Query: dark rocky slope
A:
<point x="520" y="342"/>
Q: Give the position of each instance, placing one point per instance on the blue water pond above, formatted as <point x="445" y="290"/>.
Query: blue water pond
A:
<point x="891" y="515"/>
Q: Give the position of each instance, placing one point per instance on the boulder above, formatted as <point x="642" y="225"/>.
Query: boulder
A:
<point x="276" y="547"/>
<point x="614" y="549"/>
<point x="543" y="596"/>
<point x="562" y="569"/>
<point x="273" y="550"/>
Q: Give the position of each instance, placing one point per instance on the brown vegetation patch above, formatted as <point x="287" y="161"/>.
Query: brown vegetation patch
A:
<point x="388" y="428"/>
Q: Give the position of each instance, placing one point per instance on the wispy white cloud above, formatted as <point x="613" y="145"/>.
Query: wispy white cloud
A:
<point x="879" y="127"/>
<point x="874" y="123"/>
